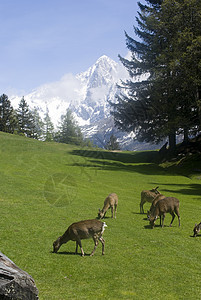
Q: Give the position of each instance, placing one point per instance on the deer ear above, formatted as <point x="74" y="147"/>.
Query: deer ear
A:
<point x="195" y="224"/>
<point x="99" y="210"/>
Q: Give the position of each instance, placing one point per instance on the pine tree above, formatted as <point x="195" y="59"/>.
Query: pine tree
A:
<point x="48" y="128"/>
<point x="69" y="132"/>
<point x="112" y="144"/>
<point x="8" y="120"/>
<point x="140" y="108"/>
<point x="164" y="102"/>
<point x="38" y="124"/>
<point x="25" y="119"/>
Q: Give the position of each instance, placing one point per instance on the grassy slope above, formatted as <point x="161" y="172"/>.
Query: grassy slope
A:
<point x="45" y="187"/>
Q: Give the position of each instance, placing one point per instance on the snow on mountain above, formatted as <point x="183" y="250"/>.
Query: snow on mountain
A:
<point x="87" y="95"/>
<point x="55" y="96"/>
<point x="100" y="86"/>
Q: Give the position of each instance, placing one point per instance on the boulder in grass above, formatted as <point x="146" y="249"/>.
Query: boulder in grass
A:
<point x="15" y="284"/>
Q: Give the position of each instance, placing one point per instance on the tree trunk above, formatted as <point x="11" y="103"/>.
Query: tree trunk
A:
<point x="172" y="141"/>
<point x="186" y="135"/>
<point x="199" y="105"/>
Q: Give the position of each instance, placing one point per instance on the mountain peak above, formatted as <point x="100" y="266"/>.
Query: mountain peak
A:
<point x="105" y="58"/>
<point x="86" y="93"/>
<point x="103" y="72"/>
<point x="105" y="62"/>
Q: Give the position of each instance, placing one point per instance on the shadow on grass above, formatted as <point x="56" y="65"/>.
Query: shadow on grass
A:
<point x="70" y="253"/>
<point x="115" y="161"/>
<point x="143" y="215"/>
<point x="199" y="236"/>
<point x="148" y="169"/>
<point x="193" y="189"/>
<point x="148" y="226"/>
<point x="135" y="157"/>
<point x="157" y="225"/>
<point x="144" y="162"/>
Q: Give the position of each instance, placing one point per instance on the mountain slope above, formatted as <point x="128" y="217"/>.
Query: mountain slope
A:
<point x="87" y="95"/>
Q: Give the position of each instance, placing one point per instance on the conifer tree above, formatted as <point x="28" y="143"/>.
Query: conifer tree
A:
<point x="69" y="132"/>
<point x="8" y="120"/>
<point x="38" y="124"/>
<point x="165" y="101"/>
<point x="25" y="119"/>
<point x="112" y="144"/>
<point x="48" y="128"/>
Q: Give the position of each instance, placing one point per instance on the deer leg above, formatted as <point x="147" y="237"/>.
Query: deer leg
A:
<point x="76" y="247"/>
<point x="115" y="212"/>
<point x="103" y="244"/>
<point x="178" y="215"/>
<point x="163" y="217"/>
<point x="95" y="245"/>
<point x="80" y="244"/>
<point x="179" y="220"/>
<point x="173" y="216"/>
<point x="112" y="210"/>
<point x="141" y="207"/>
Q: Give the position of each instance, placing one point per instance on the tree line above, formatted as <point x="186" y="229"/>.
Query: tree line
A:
<point x="27" y="122"/>
<point x="162" y="98"/>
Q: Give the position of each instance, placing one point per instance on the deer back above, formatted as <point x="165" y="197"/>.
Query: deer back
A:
<point x="85" y="229"/>
<point x="150" y="195"/>
<point x="165" y="205"/>
<point x="111" y="200"/>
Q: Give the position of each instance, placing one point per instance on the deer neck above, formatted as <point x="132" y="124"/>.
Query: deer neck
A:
<point x="64" y="238"/>
<point x="106" y="207"/>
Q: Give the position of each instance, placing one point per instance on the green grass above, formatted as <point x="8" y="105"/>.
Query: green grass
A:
<point x="47" y="186"/>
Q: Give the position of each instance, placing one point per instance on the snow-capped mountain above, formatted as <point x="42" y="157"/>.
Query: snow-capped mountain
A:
<point x="87" y="95"/>
<point x="99" y="84"/>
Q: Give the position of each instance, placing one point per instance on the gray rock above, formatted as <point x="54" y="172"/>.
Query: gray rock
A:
<point x="15" y="284"/>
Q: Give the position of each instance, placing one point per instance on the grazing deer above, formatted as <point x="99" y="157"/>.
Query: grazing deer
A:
<point x="148" y="196"/>
<point x="166" y="205"/>
<point x="80" y="231"/>
<point x="110" y="202"/>
<point x="197" y="229"/>
<point x="156" y="199"/>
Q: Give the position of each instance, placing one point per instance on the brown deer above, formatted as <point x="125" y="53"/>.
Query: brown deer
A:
<point x="166" y="205"/>
<point x="148" y="196"/>
<point x="156" y="199"/>
<point x="80" y="231"/>
<point x="197" y="229"/>
<point x="110" y="202"/>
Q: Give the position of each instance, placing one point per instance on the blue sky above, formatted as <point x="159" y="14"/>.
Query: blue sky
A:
<point x="41" y="40"/>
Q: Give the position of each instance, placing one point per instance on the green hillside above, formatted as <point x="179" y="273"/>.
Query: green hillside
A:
<point x="47" y="186"/>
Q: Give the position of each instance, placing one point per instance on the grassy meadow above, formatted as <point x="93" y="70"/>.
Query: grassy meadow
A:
<point x="47" y="186"/>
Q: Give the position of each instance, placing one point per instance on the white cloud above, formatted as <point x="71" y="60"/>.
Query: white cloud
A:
<point x="66" y="89"/>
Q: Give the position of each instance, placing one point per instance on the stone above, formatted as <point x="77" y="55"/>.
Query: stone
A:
<point x="15" y="284"/>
